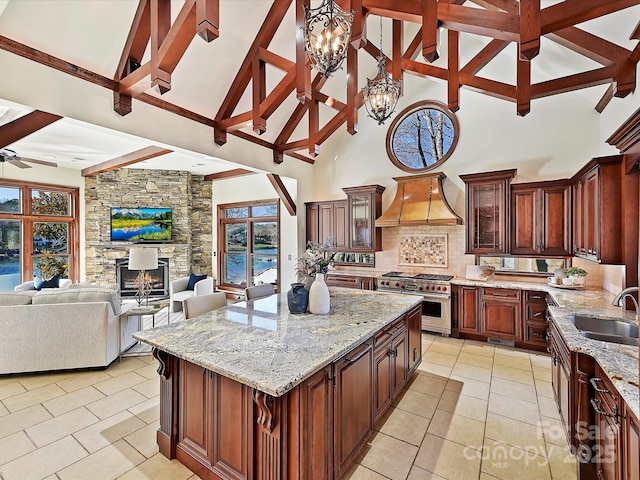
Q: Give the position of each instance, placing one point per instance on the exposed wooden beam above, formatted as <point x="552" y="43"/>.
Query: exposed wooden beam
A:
<point x="276" y="60"/>
<point x="303" y="73"/>
<point x="492" y="88"/>
<point x="138" y="156"/>
<point x="175" y="109"/>
<point x="236" y="172"/>
<point x="283" y="193"/>
<point x="314" y="125"/>
<point x="412" y="51"/>
<point x="593" y="47"/>
<point x="160" y="25"/>
<point x="252" y="139"/>
<point x="606" y="98"/>
<point x="509" y="6"/>
<point x="523" y="87"/>
<point x="27" y="124"/>
<point x="529" y="45"/>
<point x="258" y="86"/>
<point x="494" y="24"/>
<point x="453" y="64"/>
<point x="488" y="53"/>
<point x="297" y="156"/>
<point x="329" y="101"/>
<point x="352" y="90"/>
<point x="424" y="70"/>
<point x="570" y="83"/>
<point x="208" y="19"/>
<point x="430" y="39"/>
<point x="397" y="44"/>
<point x="572" y="12"/>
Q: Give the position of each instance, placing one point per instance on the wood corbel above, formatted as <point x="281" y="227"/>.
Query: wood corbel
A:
<point x="208" y="19"/>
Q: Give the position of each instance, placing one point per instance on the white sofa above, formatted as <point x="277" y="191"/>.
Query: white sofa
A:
<point x="178" y="291"/>
<point x="59" y="329"/>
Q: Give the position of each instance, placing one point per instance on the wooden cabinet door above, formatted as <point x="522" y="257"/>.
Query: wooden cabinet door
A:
<point x="353" y="405"/>
<point x="367" y="283"/>
<point x="525" y="218"/>
<point x="555" y="220"/>
<point x="194" y="431"/>
<point x="468" y="310"/>
<point x="560" y="381"/>
<point x="591" y="214"/>
<point x="414" y="327"/>
<point x="325" y="222"/>
<point x="312" y="222"/>
<point x="608" y="447"/>
<point x="501" y="319"/>
<point x="631" y="460"/>
<point x="399" y="362"/>
<point x="578" y="214"/>
<point x="382" y="381"/>
<point x="316" y="412"/>
<point x="340" y="226"/>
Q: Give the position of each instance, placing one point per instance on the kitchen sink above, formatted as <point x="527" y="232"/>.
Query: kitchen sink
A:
<point x="604" y="330"/>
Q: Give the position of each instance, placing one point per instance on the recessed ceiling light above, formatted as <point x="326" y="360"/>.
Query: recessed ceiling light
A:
<point x="80" y="159"/>
<point x="200" y="164"/>
<point x="50" y="156"/>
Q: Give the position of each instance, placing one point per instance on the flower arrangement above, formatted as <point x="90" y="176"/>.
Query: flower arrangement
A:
<point x="317" y="258"/>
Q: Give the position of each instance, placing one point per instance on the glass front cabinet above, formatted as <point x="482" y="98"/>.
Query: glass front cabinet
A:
<point x="364" y="206"/>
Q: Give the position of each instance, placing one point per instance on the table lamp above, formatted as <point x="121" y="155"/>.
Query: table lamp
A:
<point x="143" y="259"/>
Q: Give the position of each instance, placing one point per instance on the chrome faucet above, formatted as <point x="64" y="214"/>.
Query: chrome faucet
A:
<point x="626" y="293"/>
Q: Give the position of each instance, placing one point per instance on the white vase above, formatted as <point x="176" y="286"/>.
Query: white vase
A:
<point x="579" y="281"/>
<point x="319" y="301"/>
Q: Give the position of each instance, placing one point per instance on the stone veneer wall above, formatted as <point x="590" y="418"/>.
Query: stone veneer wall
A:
<point x="188" y="195"/>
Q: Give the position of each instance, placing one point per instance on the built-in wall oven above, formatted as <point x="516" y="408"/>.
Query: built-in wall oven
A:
<point x="435" y="291"/>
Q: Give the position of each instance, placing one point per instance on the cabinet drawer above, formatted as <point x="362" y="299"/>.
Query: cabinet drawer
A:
<point x="384" y="336"/>
<point x="605" y="392"/>
<point x="502" y="293"/>
<point x="535" y="313"/>
<point x="347" y="281"/>
<point x="531" y="297"/>
<point x="535" y="333"/>
<point x="560" y="349"/>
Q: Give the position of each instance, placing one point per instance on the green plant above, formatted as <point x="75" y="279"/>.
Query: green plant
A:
<point x="317" y="258"/>
<point x="49" y="266"/>
<point x="576" y="272"/>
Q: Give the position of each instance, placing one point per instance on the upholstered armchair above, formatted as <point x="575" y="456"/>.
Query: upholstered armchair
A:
<point x="178" y="291"/>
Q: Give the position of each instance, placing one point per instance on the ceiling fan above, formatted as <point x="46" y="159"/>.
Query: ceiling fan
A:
<point x="10" y="156"/>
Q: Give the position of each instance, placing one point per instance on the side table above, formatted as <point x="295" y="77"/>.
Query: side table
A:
<point x="138" y="348"/>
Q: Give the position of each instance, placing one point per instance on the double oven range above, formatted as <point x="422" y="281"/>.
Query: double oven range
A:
<point x="435" y="291"/>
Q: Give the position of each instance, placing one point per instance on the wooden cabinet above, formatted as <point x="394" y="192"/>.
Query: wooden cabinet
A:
<point x="327" y="222"/>
<point x="390" y="364"/>
<point x="362" y="282"/>
<point x="609" y="450"/>
<point x="561" y="380"/>
<point x="535" y="324"/>
<point x="631" y="456"/>
<point x="353" y="405"/>
<point x="364" y="207"/>
<point x="316" y="435"/>
<point x="414" y="328"/>
<point x="194" y="416"/>
<point x="468" y="309"/>
<point x="487" y="211"/>
<point x="597" y="210"/>
<point x="500" y="313"/>
<point x="541" y="218"/>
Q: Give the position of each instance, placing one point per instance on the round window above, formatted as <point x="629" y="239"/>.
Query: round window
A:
<point x="422" y="136"/>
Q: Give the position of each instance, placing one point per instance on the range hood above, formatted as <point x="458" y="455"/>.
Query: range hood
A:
<point x="419" y="201"/>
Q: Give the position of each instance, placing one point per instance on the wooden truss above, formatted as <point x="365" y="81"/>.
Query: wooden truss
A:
<point x="523" y="22"/>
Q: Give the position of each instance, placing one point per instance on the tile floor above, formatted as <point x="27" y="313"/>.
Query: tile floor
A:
<point x="474" y="411"/>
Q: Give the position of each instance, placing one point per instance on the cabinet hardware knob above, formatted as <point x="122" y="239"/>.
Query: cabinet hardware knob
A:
<point x="360" y="355"/>
<point x="537" y="314"/>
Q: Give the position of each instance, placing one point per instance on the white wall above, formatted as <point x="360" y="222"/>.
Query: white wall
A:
<point x="258" y="187"/>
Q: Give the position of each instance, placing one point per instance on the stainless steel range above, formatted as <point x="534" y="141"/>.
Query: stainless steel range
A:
<point x="436" y="293"/>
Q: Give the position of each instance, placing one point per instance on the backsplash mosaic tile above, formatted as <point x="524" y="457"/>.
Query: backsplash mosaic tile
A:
<point x="427" y="250"/>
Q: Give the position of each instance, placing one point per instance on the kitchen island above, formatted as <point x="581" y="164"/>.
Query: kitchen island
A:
<point x="253" y="391"/>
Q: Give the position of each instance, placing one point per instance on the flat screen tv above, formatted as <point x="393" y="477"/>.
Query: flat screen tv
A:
<point x="151" y="225"/>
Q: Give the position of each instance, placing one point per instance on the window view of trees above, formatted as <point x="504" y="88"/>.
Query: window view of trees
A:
<point x="422" y="136"/>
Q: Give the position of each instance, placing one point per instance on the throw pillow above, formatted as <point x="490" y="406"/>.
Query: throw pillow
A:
<point x="53" y="282"/>
<point x="193" y="279"/>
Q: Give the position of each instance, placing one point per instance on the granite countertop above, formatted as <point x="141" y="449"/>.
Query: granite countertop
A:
<point x="260" y="344"/>
<point x="619" y="362"/>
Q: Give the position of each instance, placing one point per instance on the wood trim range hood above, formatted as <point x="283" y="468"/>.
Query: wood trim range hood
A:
<point x="419" y="201"/>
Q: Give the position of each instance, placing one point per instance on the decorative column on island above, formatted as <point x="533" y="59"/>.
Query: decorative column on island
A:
<point x="251" y="391"/>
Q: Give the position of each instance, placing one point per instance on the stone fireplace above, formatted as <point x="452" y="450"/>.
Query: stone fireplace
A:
<point x="159" y="279"/>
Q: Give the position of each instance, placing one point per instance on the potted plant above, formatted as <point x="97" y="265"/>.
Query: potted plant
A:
<point x="577" y="275"/>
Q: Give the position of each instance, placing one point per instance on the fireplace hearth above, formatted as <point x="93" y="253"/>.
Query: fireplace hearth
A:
<point x="159" y="279"/>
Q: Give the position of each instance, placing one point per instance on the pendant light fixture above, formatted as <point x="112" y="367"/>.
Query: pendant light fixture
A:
<point x="382" y="92"/>
<point x="327" y="33"/>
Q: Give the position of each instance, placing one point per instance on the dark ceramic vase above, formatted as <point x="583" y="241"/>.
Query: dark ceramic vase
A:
<point x="297" y="298"/>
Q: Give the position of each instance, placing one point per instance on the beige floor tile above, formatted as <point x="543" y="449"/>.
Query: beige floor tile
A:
<point x="428" y="384"/>
<point x="514" y="389"/>
<point x="14" y="446"/>
<point x="9" y="379"/>
<point x="110" y="430"/>
<point x="358" y="472"/>
<point x="435" y="369"/>
<point x="14" y="422"/>
<point x="116" y="403"/>
<point x="540" y="360"/>
<point x="158" y="467"/>
<point x="389" y="456"/>
<point x="553" y="431"/>
<point x="82" y="380"/>
<point x="452" y="349"/>
<point x="474" y="373"/>
<point x="486" y="476"/>
<point x="476" y="360"/>
<point x="548" y="407"/>
<point x="105" y="464"/>
<point x="470" y="407"/>
<point x="417" y="403"/>
<point x="119" y="383"/>
<point x="147" y="411"/>
<point x="512" y="352"/>
<point x="150" y="388"/>
<point x="478" y="348"/>
<point x="144" y="440"/>
<point x="404" y="426"/>
<point x="448" y="459"/>
<point x="514" y="408"/>
<point x="31" y="382"/>
<point x="148" y="359"/>
<point x="32" y="397"/>
<point x="11" y="389"/>
<point x="544" y="389"/>
<point x="515" y="433"/>
<point x="418" y="473"/>
<point x="542" y="374"/>
<point x="562" y="462"/>
<point x="3" y="410"/>
<point x="150" y="371"/>
<point x="439" y="358"/>
<point x="513" y="374"/>
<point x="73" y="400"/>
<point x="59" y="427"/>
<point x="467" y="386"/>
<point x="44" y="461"/>
<point x="507" y="463"/>
<point x="513" y="362"/>
<point x="124" y="365"/>
<point x="457" y="428"/>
